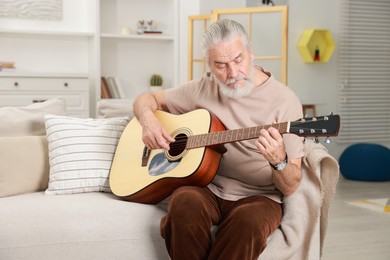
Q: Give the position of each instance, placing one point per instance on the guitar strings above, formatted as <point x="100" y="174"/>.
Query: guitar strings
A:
<point x="185" y="138"/>
<point x="181" y="141"/>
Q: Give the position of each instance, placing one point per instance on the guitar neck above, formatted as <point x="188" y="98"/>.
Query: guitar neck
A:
<point x="305" y="127"/>
<point x="230" y="136"/>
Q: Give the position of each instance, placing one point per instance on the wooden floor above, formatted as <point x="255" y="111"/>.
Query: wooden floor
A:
<point x="356" y="233"/>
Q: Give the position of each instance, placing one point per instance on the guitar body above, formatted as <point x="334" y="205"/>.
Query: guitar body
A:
<point x="150" y="179"/>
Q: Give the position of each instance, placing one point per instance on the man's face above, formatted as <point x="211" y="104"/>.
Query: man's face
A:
<point x="230" y="62"/>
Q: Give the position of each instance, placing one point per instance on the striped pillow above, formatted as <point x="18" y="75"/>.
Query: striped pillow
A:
<point x="81" y="152"/>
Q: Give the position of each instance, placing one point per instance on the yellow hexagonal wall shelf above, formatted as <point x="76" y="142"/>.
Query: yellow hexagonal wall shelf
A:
<point x="316" y="45"/>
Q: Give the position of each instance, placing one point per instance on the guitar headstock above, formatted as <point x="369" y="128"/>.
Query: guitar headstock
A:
<point x="316" y="126"/>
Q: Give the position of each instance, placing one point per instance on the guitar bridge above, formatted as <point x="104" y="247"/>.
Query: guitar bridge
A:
<point x="145" y="156"/>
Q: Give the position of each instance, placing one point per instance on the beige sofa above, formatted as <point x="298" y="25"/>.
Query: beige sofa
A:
<point x="44" y="214"/>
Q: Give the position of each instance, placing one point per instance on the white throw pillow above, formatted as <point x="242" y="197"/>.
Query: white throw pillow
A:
<point x="81" y="152"/>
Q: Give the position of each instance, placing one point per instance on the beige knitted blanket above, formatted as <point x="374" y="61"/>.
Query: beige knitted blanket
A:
<point x="310" y="203"/>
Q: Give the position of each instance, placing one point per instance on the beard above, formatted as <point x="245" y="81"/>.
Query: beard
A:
<point x="236" y="91"/>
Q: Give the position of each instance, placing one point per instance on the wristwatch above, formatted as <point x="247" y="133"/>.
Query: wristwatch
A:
<point x="280" y="166"/>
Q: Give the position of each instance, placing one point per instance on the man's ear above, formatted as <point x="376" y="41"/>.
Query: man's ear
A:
<point x="208" y="64"/>
<point x="252" y="54"/>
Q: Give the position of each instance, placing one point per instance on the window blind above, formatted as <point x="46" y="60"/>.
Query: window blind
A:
<point x="364" y="71"/>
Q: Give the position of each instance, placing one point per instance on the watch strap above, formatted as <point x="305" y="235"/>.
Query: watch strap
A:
<point x="285" y="161"/>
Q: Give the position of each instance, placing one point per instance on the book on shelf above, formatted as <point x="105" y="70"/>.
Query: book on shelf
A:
<point x="105" y="91"/>
<point x="120" y="88"/>
<point x="115" y="87"/>
<point x="7" y="65"/>
<point x="112" y="87"/>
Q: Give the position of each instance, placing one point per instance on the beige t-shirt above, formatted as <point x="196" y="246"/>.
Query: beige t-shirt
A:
<point x="243" y="170"/>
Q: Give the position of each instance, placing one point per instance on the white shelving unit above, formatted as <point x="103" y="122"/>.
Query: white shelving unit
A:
<point x="87" y="44"/>
<point x="46" y="52"/>
<point x="48" y="64"/>
<point x="137" y="37"/>
<point x="52" y="59"/>
<point x="133" y="58"/>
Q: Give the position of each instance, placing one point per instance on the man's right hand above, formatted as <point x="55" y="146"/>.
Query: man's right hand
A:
<point x="154" y="134"/>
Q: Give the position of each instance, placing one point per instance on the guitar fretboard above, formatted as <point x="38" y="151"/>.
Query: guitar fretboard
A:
<point x="229" y="136"/>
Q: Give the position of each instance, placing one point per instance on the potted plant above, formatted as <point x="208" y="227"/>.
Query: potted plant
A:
<point x="156" y="82"/>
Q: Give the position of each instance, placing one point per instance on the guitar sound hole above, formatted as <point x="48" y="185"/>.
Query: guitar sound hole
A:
<point x="179" y="145"/>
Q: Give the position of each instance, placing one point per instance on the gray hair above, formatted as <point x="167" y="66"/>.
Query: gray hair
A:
<point x="223" y="31"/>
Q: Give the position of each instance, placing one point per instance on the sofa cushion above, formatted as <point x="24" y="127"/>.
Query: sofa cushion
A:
<point x="108" y="108"/>
<point x="28" y="120"/>
<point x="24" y="165"/>
<point x="81" y="152"/>
<point x="92" y="225"/>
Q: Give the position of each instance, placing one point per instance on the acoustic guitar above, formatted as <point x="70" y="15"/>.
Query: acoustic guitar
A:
<point x="148" y="176"/>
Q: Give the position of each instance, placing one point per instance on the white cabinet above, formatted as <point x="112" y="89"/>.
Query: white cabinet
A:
<point x="133" y="57"/>
<point x="22" y="91"/>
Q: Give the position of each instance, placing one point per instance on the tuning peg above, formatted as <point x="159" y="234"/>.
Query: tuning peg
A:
<point x="331" y="113"/>
<point x="328" y="140"/>
<point x="316" y="140"/>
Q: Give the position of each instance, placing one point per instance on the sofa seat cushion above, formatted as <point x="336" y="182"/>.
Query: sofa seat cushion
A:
<point x="97" y="225"/>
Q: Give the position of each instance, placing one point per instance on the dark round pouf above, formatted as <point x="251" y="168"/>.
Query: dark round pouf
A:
<point x="365" y="162"/>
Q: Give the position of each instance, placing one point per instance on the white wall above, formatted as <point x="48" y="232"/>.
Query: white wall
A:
<point x="314" y="82"/>
<point x="207" y="6"/>
<point x="187" y="8"/>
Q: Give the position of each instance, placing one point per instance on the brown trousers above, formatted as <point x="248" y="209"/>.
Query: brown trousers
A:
<point x="243" y="225"/>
